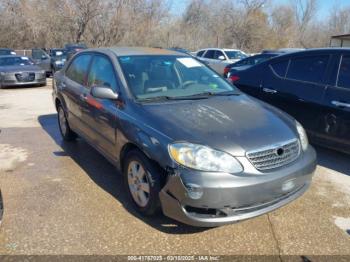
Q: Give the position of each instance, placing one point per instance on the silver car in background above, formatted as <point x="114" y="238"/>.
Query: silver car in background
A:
<point x="20" y="71"/>
<point x="218" y="58"/>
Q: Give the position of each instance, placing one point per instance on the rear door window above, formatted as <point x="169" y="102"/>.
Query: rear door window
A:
<point x="77" y="70"/>
<point x="210" y="54"/>
<point x="102" y="73"/>
<point x="280" y="68"/>
<point x="344" y="72"/>
<point x="309" y="69"/>
<point x="200" y="53"/>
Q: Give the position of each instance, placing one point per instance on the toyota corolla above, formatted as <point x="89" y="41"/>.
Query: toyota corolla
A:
<point x="186" y="141"/>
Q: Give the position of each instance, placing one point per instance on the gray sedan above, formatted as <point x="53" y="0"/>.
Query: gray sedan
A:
<point x="20" y="71"/>
<point x="185" y="140"/>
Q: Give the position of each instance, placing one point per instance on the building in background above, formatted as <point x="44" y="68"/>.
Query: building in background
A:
<point x="340" y="41"/>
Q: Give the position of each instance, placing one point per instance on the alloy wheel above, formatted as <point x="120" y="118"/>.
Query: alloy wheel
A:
<point x="138" y="183"/>
<point x="62" y="121"/>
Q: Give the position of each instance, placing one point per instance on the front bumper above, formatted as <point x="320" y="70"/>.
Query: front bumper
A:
<point x="11" y="81"/>
<point x="225" y="198"/>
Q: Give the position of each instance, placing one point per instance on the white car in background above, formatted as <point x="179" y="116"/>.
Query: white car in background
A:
<point x="218" y="58"/>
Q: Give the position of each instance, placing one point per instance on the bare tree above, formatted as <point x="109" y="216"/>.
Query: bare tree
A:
<point x="305" y="11"/>
<point x="250" y="25"/>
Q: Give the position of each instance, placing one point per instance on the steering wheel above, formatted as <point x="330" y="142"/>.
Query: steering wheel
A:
<point x="187" y="83"/>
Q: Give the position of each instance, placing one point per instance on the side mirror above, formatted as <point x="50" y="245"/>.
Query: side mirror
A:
<point x="103" y="93"/>
<point x="222" y="57"/>
<point x="44" y="57"/>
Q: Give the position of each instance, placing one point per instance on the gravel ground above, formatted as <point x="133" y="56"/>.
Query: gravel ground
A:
<point x="64" y="198"/>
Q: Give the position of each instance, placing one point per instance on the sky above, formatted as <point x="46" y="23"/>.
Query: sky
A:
<point x="324" y="6"/>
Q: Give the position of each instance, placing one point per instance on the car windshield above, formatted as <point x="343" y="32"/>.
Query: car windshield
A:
<point x="235" y="54"/>
<point x="171" y="77"/>
<point x="15" y="61"/>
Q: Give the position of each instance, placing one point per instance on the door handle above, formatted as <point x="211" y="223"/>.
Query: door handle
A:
<point x="340" y="104"/>
<point x="269" y="90"/>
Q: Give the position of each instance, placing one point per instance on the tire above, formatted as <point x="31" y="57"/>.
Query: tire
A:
<point x="66" y="132"/>
<point x="136" y="185"/>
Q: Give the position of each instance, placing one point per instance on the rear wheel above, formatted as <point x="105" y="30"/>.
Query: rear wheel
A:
<point x="142" y="181"/>
<point x="66" y="132"/>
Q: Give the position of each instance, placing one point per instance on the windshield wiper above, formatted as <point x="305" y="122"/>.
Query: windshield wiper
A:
<point x="226" y="93"/>
<point x="203" y="95"/>
<point x="155" y="98"/>
<point x="208" y="94"/>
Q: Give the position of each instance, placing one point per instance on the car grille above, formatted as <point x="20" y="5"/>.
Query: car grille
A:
<point x="25" y="77"/>
<point x="275" y="156"/>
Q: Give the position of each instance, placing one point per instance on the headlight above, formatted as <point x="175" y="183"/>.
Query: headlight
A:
<point x="203" y="158"/>
<point x="302" y="135"/>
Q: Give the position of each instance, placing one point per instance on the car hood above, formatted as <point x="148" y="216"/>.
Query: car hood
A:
<point x="25" y="68"/>
<point x="234" y="124"/>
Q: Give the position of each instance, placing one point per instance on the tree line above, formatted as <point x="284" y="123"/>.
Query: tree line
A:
<point x="250" y="25"/>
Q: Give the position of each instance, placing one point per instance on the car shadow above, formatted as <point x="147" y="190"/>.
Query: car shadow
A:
<point x="106" y="176"/>
<point x="334" y="160"/>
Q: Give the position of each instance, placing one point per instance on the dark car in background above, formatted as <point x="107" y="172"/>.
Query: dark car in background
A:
<point x="58" y="58"/>
<point x="7" y="51"/>
<point x="245" y="63"/>
<point x="20" y="71"/>
<point x="185" y="139"/>
<point x="256" y="59"/>
<point x="72" y="49"/>
<point x="313" y="86"/>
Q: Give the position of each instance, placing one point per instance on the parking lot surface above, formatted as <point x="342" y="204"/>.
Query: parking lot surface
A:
<point x="65" y="198"/>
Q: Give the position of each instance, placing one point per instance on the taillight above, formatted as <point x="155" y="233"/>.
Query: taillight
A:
<point x="234" y="78"/>
<point x="226" y="70"/>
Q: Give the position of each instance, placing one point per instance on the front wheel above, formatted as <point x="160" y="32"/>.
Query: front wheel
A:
<point x="66" y="132"/>
<point x="142" y="181"/>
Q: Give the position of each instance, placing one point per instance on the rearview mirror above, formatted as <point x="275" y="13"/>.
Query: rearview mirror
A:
<point x="103" y="93"/>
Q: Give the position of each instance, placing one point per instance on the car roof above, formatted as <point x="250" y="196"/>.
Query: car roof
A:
<point x="313" y="51"/>
<point x="230" y="49"/>
<point x="132" y="51"/>
<point x="320" y="50"/>
<point x="221" y="49"/>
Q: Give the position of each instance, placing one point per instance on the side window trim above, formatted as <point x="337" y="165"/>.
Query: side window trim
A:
<point x="338" y="71"/>
<point x="275" y="73"/>
<point x="225" y="55"/>
<point x="285" y="74"/>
